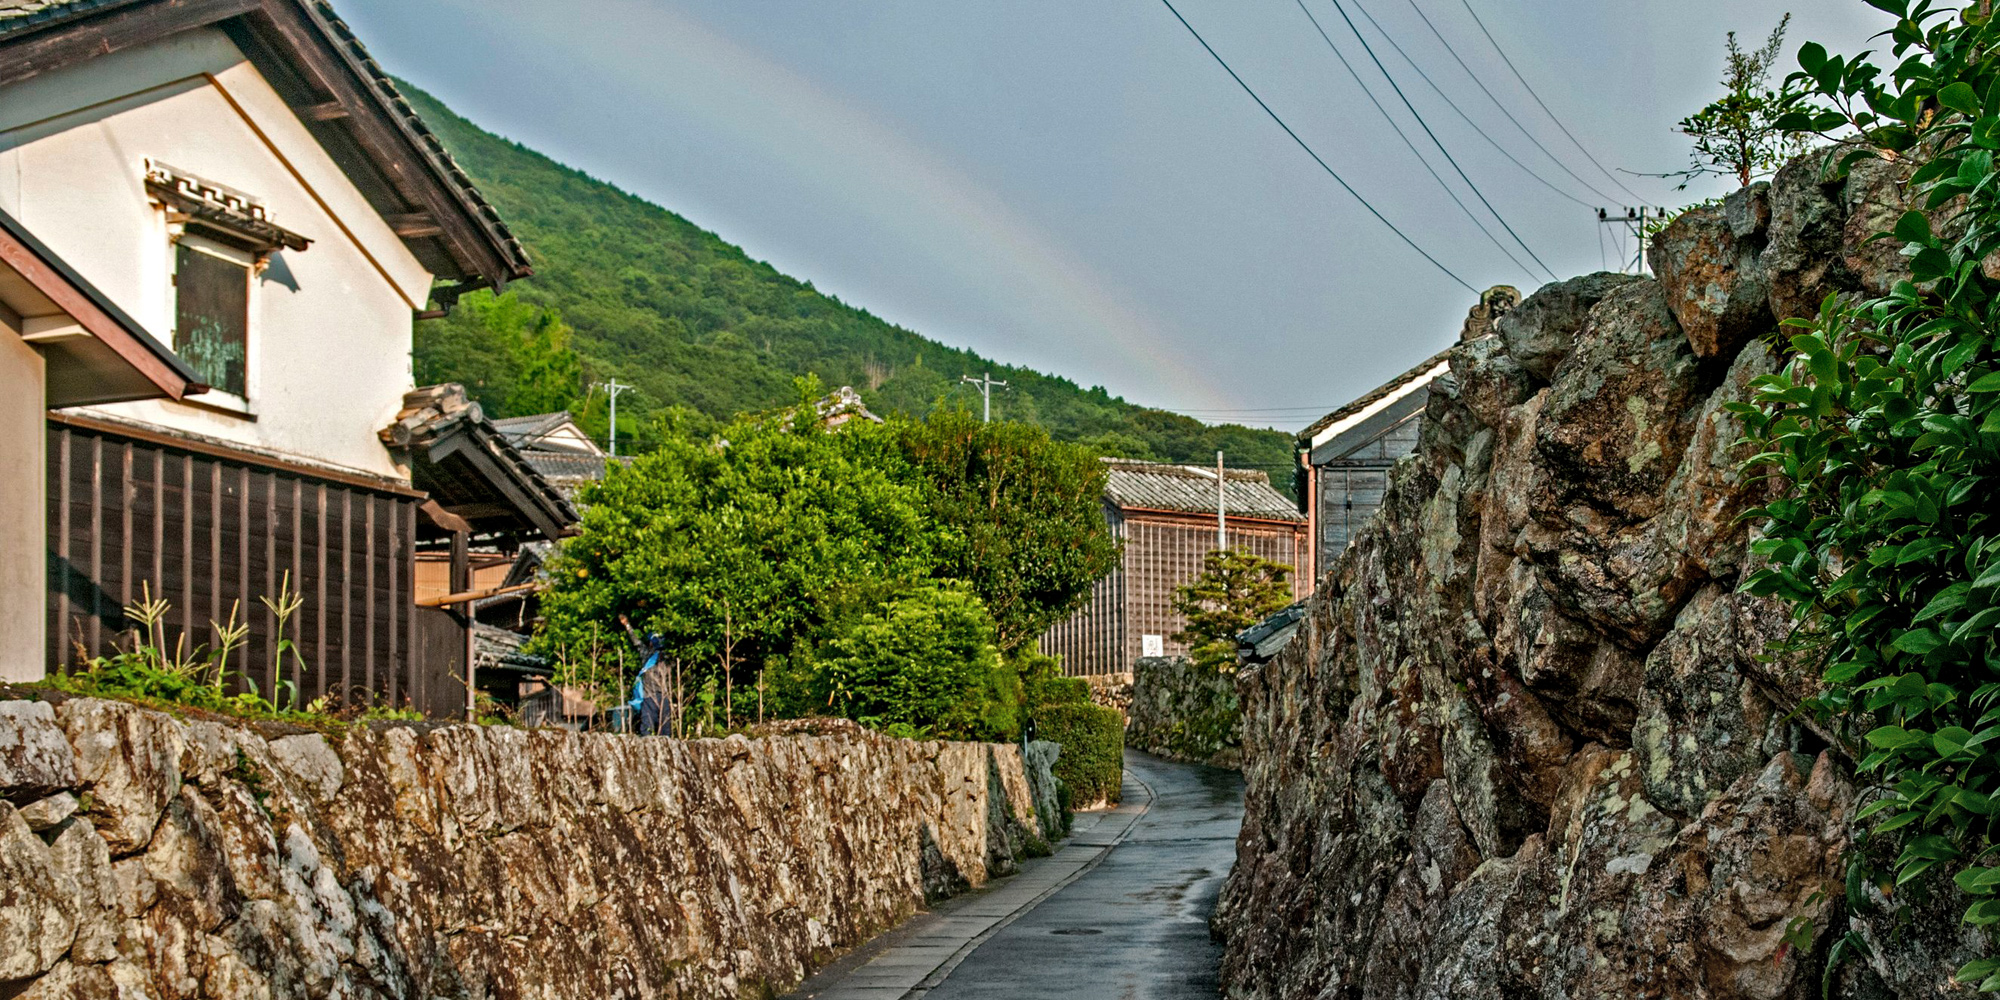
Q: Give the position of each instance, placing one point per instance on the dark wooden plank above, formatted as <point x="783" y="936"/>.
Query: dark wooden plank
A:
<point x="187" y="543"/>
<point x="299" y="584"/>
<point x="60" y="633"/>
<point x="214" y="547"/>
<point x="127" y="492"/>
<point x="95" y="627"/>
<point x="325" y="613"/>
<point x="394" y="664"/>
<point x="368" y="600"/>
<point x="346" y="595"/>
<point x="160" y="521"/>
<point x="418" y="686"/>
<point x="242" y="535"/>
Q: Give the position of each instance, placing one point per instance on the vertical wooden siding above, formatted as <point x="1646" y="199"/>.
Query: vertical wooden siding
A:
<point x="211" y="536"/>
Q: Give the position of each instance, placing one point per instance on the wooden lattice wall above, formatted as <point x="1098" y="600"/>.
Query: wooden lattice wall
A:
<point x="205" y="531"/>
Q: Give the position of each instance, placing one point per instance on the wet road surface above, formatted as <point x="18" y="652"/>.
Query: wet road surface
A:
<point x="1135" y="927"/>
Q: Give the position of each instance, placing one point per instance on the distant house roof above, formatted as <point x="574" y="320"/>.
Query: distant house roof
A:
<point x="346" y="100"/>
<point x="467" y="466"/>
<point x="92" y="351"/>
<point x="1374" y="401"/>
<point x="1190" y="489"/>
<point x="567" y="470"/>
<point x="843" y="405"/>
<point x="557" y="432"/>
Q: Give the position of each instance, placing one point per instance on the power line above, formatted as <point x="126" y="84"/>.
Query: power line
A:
<point x="1434" y="140"/>
<point x="1495" y="143"/>
<point x="1544" y="104"/>
<point x="1481" y="84"/>
<point x="1309" y="152"/>
<point x="1400" y="134"/>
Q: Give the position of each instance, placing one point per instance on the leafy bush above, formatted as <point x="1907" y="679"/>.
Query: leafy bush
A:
<point x="1886" y="425"/>
<point x="925" y="661"/>
<point x="739" y="549"/>
<point x="154" y="670"/>
<point x="1092" y="764"/>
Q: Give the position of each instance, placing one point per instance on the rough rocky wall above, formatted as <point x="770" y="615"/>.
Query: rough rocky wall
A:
<point x="1181" y="712"/>
<point x="143" y="856"/>
<point x="1525" y="744"/>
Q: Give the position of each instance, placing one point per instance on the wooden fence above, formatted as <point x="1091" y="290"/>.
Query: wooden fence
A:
<point x="211" y="532"/>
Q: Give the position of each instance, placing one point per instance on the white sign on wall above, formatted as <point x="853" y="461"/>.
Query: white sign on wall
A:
<point x="1152" y="645"/>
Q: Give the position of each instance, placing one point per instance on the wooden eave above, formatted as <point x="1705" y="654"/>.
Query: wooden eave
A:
<point x="340" y="95"/>
<point x="100" y="354"/>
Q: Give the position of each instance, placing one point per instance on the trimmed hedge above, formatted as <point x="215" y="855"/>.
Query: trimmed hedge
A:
<point x="1092" y="763"/>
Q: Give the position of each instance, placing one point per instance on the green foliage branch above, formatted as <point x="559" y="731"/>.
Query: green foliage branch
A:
<point x="1739" y="134"/>
<point x="1886" y="426"/>
<point x="1234" y="590"/>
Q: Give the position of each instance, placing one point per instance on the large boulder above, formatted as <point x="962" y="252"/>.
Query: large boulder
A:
<point x="1714" y="283"/>
<point x="1540" y="331"/>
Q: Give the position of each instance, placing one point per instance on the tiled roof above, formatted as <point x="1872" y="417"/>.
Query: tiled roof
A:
<point x="481" y="478"/>
<point x="24" y="15"/>
<point x="1191" y="489"/>
<point x="556" y="466"/>
<point x="1381" y="395"/>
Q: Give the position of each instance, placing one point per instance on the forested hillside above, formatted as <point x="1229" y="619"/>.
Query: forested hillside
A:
<point x="626" y="288"/>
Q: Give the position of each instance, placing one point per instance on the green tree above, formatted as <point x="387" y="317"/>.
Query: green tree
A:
<point x="1885" y="427"/>
<point x="1026" y="522"/>
<point x="1235" y="590"/>
<point x="1738" y="135"/>
<point x="739" y="547"/>
<point x="549" y="373"/>
<point x="514" y="357"/>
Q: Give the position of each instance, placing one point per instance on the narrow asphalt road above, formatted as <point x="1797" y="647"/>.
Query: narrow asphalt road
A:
<point x="1135" y="927"/>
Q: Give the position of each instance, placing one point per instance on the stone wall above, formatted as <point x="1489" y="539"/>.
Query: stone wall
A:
<point x="1182" y="712"/>
<point x="141" y="855"/>
<point x="1113" y="691"/>
<point x="1526" y="743"/>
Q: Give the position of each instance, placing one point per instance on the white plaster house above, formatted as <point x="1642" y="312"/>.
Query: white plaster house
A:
<point x="241" y="180"/>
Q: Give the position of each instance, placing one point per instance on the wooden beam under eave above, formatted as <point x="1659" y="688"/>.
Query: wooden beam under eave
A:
<point x="330" y="71"/>
<point x="325" y="111"/>
<point x="414" y="225"/>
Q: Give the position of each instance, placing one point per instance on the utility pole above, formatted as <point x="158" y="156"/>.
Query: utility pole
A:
<point x="1221" y="507"/>
<point x="986" y="386"/>
<point x="613" y="388"/>
<point x="1634" y="220"/>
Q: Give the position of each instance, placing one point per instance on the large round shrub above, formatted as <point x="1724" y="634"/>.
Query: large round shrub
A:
<point x="923" y="665"/>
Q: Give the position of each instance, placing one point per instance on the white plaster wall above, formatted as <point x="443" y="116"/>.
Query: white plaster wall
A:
<point x="23" y="542"/>
<point x="329" y="359"/>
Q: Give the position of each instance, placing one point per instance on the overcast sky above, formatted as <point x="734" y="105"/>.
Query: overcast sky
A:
<point x="1078" y="187"/>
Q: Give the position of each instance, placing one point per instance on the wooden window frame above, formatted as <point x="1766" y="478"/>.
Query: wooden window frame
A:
<point x="198" y="240"/>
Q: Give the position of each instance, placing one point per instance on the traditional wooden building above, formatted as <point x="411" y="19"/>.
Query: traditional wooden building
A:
<point x="1166" y="516"/>
<point x="1349" y="454"/>
<point x="1346" y="455"/>
<point x="239" y="177"/>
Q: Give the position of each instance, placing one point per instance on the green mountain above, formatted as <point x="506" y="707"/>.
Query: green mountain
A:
<point x="630" y="289"/>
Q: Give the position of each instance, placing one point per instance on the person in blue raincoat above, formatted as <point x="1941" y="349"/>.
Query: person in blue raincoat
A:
<point x="649" y="689"/>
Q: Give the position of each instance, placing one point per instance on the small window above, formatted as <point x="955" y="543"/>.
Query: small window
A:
<point x="212" y="313"/>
